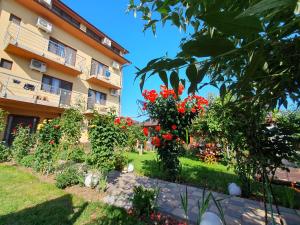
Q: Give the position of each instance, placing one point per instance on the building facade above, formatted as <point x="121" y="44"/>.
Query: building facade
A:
<point x="53" y="59"/>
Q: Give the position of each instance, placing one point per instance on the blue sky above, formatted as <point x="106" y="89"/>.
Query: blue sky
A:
<point x="110" y="17"/>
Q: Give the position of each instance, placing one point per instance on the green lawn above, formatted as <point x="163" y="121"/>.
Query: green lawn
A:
<point x="24" y="200"/>
<point x="215" y="177"/>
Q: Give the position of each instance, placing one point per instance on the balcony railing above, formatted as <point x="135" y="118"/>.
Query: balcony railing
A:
<point x="37" y="44"/>
<point x="98" y="106"/>
<point x="30" y="91"/>
<point x="103" y="76"/>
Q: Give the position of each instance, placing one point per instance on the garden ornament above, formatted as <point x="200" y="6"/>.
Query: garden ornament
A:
<point x="91" y="180"/>
<point x="130" y="168"/>
<point x="234" y="189"/>
<point x="210" y="218"/>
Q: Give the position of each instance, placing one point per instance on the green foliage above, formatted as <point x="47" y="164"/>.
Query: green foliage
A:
<point x="2" y="119"/>
<point x="49" y="137"/>
<point x="5" y="153"/>
<point x="76" y="154"/>
<point x="104" y="137"/>
<point x="28" y="161"/>
<point x="22" y="144"/>
<point x="44" y="158"/>
<point x="120" y="160"/>
<point x="134" y="134"/>
<point x="67" y="177"/>
<point x="247" y="48"/>
<point x="102" y="184"/>
<point x="71" y="125"/>
<point x="49" y="132"/>
<point x="144" y="201"/>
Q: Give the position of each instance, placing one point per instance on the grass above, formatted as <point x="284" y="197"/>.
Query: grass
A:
<point x="215" y="177"/>
<point x="26" y="200"/>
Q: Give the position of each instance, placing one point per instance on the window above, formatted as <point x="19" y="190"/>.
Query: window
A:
<point x="63" y="51"/>
<point x="65" y="16"/>
<point x="97" y="68"/>
<point x="15" y="19"/>
<point x="93" y="35"/>
<point x="54" y="85"/>
<point x="97" y="97"/>
<point x="4" y="63"/>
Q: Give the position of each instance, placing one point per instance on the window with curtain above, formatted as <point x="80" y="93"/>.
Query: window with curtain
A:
<point x="98" y="68"/>
<point x="53" y="85"/>
<point x="97" y="97"/>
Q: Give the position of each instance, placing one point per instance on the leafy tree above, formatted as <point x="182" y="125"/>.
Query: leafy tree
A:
<point x="248" y="48"/>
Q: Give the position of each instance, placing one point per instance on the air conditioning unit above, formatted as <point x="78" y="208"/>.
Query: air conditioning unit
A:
<point x="47" y="3"/>
<point x="107" y="74"/>
<point x="114" y="92"/>
<point x="106" y="41"/>
<point x="44" y="25"/>
<point x="115" y="65"/>
<point x="38" y="65"/>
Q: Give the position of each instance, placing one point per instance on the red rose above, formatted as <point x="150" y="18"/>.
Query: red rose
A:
<point x="51" y="142"/>
<point x="193" y="110"/>
<point x="146" y="131"/>
<point x="167" y="136"/>
<point x="180" y="89"/>
<point x="117" y="120"/>
<point x="129" y="121"/>
<point x="157" y="128"/>
<point x="181" y="109"/>
<point x="155" y="141"/>
<point x="174" y="127"/>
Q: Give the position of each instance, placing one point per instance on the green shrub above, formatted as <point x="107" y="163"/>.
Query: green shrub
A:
<point x="71" y="124"/>
<point x="49" y="136"/>
<point x="120" y="160"/>
<point x="144" y="201"/>
<point x="49" y="132"/>
<point x="28" y="161"/>
<point x="44" y="158"/>
<point x="67" y="177"/>
<point x="103" y="135"/>
<point x="22" y="143"/>
<point x="5" y="153"/>
<point x="77" y="154"/>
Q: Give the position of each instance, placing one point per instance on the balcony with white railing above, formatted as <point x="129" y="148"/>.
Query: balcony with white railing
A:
<point x="103" y="77"/>
<point x="26" y="43"/>
<point x="17" y="89"/>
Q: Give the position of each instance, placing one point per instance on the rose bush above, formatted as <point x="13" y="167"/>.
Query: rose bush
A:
<point x="174" y="116"/>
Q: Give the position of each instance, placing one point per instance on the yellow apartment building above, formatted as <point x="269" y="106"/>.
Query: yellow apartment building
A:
<point x="52" y="59"/>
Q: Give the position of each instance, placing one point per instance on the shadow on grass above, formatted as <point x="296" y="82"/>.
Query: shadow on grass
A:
<point x="52" y="212"/>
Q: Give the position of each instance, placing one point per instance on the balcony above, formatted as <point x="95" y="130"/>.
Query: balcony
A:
<point x="93" y="106"/>
<point x="15" y="90"/>
<point x="28" y="44"/>
<point x="105" y="78"/>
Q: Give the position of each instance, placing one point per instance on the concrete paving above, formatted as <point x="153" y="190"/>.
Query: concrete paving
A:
<point x="237" y="210"/>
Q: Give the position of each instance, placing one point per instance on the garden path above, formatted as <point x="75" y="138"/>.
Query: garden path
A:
<point x="237" y="210"/>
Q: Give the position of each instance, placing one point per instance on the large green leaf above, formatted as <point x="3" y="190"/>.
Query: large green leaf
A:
<point x="228" y="24"/>
<point x="174" y="80"/>
<point x="163" y="76"/>
<point x="191" y="72"/>
<point x="205" y="46"/>
<point x="266" y="5"/>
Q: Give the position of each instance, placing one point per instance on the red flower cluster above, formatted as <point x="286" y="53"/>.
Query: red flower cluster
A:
<point x="174" y="127"/>
<point x="155" y="141"/>
<point x="52" y="142"/>
<point x="157" y="128"/>
<point x="124" y="122"/>
<point x="146" y="131"/>
<point x="167" y="136"/>
<point x="165" y="92"/>
<point x="150" y="95"/>
<point x="145" y="106"/>
<point x="195" y="102"/>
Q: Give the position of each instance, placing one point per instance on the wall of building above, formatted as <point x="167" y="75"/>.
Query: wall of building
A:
<point x="21" y="66"/>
